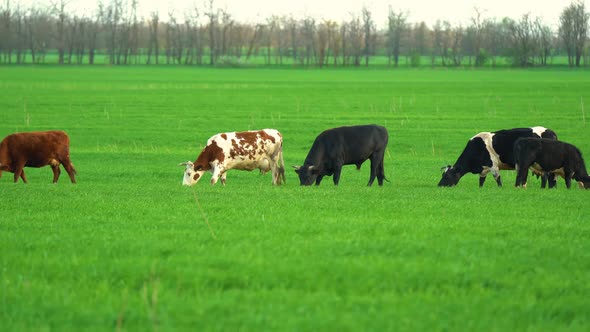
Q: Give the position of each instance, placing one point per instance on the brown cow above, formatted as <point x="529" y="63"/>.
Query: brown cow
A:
<point x="36" y="149"/>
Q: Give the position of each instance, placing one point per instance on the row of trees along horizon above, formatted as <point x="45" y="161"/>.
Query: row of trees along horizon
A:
<point x="115" y="35"/>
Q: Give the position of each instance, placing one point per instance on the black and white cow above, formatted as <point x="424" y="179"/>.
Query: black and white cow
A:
<point x="549" y="156"/>
<point x="341" y="146"/>
<point x="491" y="152"/>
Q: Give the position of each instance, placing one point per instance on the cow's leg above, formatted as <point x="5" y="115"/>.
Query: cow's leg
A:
<point x="374" y="165"/>
<point x="521" y="175"/>
<point x="56" y="172"/>
<point x="482" y="179"/>
<point x="223" y="178"/>
<point x="376" y="168"/>
<point x="22" y="176"/>
<point x="318" y="180"/>
<point x="543" y="176"/>
<point x="19" y="172"/>
<point x="552" y="179"/>
<point x="380" y="173"/>
<point x="568" y="178"/>
<point x="274" y="172"/>
<point x="70" y="169"/>
<point x="337" y="171"/>
<point x="496" y="175"/>
<point x="498" y="180"/>
<point x="216" y="174"/>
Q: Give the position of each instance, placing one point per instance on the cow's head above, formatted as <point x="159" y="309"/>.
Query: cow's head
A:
<point x="307" y="174"/>
<point x="192" y="173"/>
<point x="450" y="176"/>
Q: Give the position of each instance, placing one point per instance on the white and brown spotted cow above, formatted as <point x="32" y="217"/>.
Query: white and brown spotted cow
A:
<point x="247" y="150"/>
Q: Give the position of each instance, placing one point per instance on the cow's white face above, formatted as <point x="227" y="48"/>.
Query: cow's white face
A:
<point x="191" y="175"/>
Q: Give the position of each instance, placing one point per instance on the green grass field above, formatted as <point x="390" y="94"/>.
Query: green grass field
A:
<point x="129" y="249"/>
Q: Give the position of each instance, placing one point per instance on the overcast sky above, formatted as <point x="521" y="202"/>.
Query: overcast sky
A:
<point x="455" y="11"/>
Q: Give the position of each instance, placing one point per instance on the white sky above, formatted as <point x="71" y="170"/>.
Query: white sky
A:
<point x="249" y="11"/>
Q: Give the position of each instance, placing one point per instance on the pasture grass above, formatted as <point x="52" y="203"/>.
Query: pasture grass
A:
<point x="129" y="249"/>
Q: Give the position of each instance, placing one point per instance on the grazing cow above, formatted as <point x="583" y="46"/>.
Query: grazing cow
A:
<point x="337" y="147"/>
<point x="549" y="156"/>
<point x="36" y="149"/>
<point x="247" y="150"/>
<point x="490" y="152"/>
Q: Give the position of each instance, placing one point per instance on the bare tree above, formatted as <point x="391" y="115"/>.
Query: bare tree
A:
<point x="456" y="45"/>
<point x="334" y="41"/>
<point x="322" y="44"/>
<point x="257" y="29"/>
<point x="292" y="27"/>
<point x="195" y="40"/>
<point x="174" y="40"/>
<point x="396" y="27"/>
<point x="112" y="20"/>
<point x="31" y="22"/>
<point x="227" y="24"/>
<point x="468" y="44"/>
<point x="153" y="44"/>
<point x="308" y="34"/>
<point x="419" y="43"/>
<point x="368" y="29"/>
<point x="477" y="27"/>
<point x="59" y="9"/>
<point x="522" y="39"/>
<point x="355" y="40"/>
<point x="19" y="31"/>
<point x="545" y="41"/>
<point x="270" y="27"/>
<point x="93" y="30"/>
<point x="344" y="31"/>
<point x="71" y="30"/>
<point x="5" y="32"/>
<point x="442" y="40"/>
<point x="133" y="44"/>
<point x="282" y="37"/>
<point x="239" y="39"/>
<point x="213" y="17"/>
<point x="494" y="39"/>
<point x="189" y="57"/>
<point x="573" y="30"/>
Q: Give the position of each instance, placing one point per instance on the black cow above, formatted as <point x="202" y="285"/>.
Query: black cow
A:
<point x="549" y="156"/>
<point x="341" y="146"/>
<point x="490" y="152"/>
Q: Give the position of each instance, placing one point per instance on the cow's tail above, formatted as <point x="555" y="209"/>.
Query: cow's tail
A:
<point x="386" y="179"/>
<point x="281" y="168"/>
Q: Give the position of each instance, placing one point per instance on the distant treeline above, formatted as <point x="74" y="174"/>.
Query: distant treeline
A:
<point x="115" y="35"/>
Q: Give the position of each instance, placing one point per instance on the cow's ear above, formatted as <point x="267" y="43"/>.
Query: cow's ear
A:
<point x="185" y="163"/>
